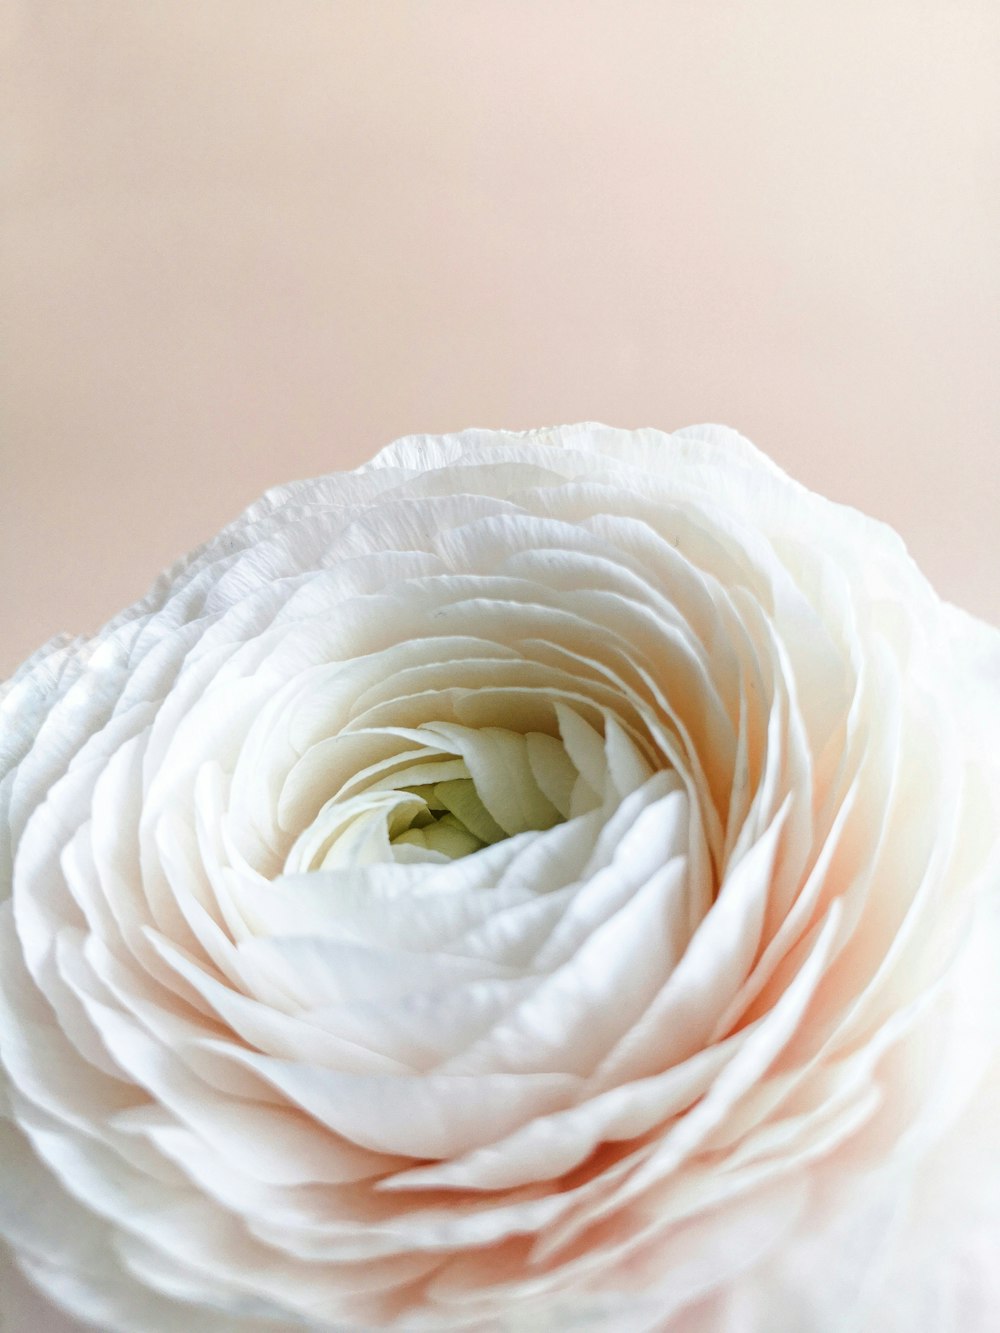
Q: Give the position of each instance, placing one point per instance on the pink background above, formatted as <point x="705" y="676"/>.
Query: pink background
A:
<point x="251" y="240"/>
<point x="255" y="240"/>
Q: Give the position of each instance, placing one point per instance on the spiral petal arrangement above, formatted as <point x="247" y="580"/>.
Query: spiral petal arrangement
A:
<point x="535" y="881"/>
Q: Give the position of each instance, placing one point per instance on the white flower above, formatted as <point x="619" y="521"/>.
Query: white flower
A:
<point x="536" y="881"/>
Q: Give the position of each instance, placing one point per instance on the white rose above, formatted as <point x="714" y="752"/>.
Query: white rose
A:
<point x="536" y="881"/>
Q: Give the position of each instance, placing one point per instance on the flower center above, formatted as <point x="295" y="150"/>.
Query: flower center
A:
<point x="449" y="791"/>
<point x="453" y="820"/>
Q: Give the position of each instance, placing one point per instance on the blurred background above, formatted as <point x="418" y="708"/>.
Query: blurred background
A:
<point x="246" y="241"/>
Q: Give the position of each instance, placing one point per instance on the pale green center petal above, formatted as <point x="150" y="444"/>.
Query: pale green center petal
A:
<point x="469" y="788"/>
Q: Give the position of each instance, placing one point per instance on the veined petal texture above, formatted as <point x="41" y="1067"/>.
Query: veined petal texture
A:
<point x="536" y="881"/>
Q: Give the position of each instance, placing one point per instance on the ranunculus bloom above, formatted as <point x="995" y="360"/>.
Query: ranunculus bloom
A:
<point x="538" y="881"/>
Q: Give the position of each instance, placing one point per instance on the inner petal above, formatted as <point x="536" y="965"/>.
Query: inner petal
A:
<point x="463" y="788"/>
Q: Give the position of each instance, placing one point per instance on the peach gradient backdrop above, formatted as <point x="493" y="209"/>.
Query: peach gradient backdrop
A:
<point x="252" y="240"/>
